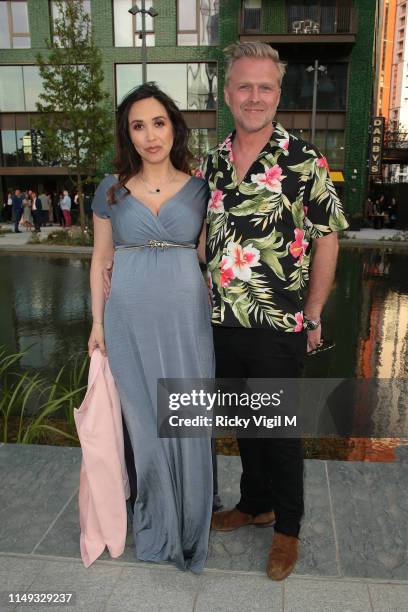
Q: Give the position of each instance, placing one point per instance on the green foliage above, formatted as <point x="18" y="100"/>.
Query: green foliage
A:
<point x="75" y="119"/>
<point x="46" y="402"/>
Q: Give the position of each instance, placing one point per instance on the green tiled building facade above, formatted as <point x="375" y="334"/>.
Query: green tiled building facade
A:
<point x="337" y="33"/>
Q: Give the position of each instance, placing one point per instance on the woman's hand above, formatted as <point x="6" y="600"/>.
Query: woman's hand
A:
<point x="97" y="339"/>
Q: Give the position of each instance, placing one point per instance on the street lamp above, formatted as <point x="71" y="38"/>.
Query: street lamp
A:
<point x="316" y="69"/>
<point x="152" y="13"/>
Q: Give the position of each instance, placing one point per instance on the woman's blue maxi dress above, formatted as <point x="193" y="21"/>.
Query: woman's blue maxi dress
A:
<point x="157" y="325"/>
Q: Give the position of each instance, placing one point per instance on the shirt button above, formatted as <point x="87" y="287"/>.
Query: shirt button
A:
<point x="232" y="223"/>
<point x="237" y="193"/>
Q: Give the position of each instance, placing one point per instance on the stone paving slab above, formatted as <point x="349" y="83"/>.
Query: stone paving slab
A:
<point x="330" y="595"/>
<point x="247" y="549"/>
<point x="120" y="587"/>
<point x="37" y="482"/>
<point x="370" y="507"/>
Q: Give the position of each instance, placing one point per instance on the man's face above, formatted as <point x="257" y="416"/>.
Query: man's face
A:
<point x="253" y="92"/>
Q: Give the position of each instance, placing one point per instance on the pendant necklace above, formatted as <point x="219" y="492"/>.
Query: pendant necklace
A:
<point x="155" y="190"/>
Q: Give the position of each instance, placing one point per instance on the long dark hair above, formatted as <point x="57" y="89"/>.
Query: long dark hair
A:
<point x="127" y="161"/>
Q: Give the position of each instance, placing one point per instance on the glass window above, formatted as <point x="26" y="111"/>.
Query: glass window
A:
<point x="192" y="86"/>
<point x="201" y="141"/>
<point x="128" y="76"/>
<point x="9" y="147"/>
<point x="297" y="88"/>
<point x="252" y="15"/>
<point x="197" y="22"/>
<point x="20" y="87"/>
<point x="127" y="27"/>
<point x="329" y="142"/>
<point x="11" y="89"/>
<point x="56" y="13"/>
<point x="14" y="28"/>
<point x="32" y="86"/>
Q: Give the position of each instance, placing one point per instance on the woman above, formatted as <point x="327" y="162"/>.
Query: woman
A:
<point x="156" y="321"/>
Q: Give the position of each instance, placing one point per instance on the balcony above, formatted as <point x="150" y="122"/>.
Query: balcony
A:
<point x="324" y="21"/>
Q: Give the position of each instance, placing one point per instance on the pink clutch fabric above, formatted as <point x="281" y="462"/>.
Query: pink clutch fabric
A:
<point x="104" y="485"/>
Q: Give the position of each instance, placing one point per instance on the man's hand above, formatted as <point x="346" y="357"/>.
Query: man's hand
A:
<point x="314" y="338"/>
<point x="107" y="275"/>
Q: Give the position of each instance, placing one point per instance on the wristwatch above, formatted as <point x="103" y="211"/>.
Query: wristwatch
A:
<point x="311" y="324"/>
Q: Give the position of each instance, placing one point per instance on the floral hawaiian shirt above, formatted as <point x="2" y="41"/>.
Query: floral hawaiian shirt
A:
<point x="260" y="231"/>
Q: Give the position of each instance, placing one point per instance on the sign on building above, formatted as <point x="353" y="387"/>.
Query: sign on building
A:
<point x="376" y="145"/>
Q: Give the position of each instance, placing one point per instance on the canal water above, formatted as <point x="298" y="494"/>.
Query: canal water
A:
<point x="45" y="302"/>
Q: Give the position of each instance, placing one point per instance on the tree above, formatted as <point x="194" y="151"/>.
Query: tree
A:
<point x="75" y="122"/>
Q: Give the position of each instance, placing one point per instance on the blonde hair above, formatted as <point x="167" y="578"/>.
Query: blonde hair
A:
<point x="255" y="49"/>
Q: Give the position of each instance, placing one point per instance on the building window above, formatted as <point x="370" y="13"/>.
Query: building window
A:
<point x="329" y="142"/>
<point x="297" y="89"/>
<point x="20" y="87"/>
<point x="251" y="18"/>
<point x="21" y="147"/>
<point x="192" y="86"/>
<point x="127" y="27"/>
<point x="318" y="17"/>
<point x="56" y="13"/>
<point x="197" y="22"/>
<point x="14" y="28"/>
<point x="201" y="141"/>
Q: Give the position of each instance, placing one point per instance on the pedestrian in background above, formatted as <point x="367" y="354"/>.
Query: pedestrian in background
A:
<point x="17" y="207"/>
<point x="66" y="209"/>
<point x="36" y="209"/>
<point x="45" y="208"/>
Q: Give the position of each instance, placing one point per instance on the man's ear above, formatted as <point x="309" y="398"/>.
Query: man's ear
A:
<point x="226" y="97"/>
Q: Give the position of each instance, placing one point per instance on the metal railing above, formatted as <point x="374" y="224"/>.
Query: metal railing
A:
<point x="301" y="19"/>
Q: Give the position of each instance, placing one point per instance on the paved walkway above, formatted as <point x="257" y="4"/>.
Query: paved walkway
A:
<point x="354" y="548"/>
<point x="19" y="242"/>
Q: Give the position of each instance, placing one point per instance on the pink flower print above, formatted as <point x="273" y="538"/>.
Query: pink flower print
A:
<point x="284" y="144"/>
<point x="271" y="179"/>
<point x="298" y="247"/>
<point x="299" y="321"/>
<point x="305" y="209"/>
<point x="241" y="260"/>
<point x="216" y="204"/>
<point x="228" y="146"/>
<point x="227" y="274"/>
<point x="322" y="163"/>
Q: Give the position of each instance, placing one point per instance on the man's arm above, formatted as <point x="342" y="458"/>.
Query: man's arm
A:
<point x="321" y="278"/>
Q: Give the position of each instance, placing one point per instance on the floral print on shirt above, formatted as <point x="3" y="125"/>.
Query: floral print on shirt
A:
<point x="260" y="231"/>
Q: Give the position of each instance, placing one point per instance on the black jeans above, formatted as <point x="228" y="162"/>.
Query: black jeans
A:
<point x="272" y="468"/>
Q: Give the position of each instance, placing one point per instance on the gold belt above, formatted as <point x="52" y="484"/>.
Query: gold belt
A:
<point x="156" y="244"/>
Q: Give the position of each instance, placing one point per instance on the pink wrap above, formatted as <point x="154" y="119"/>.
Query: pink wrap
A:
<point x="104" y="485"/>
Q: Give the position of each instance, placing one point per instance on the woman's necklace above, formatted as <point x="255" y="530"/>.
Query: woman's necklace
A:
<point x="156" y="190"/>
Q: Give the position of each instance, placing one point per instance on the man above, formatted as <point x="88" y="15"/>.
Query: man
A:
<point x="270" y="196"/>
<point x="17" y="206"/>
<point x="45" y="210"/>
<point x="36" y="209"/>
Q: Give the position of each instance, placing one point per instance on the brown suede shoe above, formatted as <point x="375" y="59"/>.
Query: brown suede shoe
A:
<point x="228" y="520"/>
<point x="282" y="556"/>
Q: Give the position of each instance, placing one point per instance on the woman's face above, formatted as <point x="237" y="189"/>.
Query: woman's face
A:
<point x="150" y="130"/>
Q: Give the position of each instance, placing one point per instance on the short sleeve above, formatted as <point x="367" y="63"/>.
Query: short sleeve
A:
<point x="324" y="211"/>
<point x="100" y="204"/>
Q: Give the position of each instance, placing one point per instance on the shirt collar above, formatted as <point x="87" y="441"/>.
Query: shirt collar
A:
<point x="279" y="139"/>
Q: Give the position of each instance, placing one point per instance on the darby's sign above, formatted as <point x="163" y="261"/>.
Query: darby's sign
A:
<point x="376" y="145"/>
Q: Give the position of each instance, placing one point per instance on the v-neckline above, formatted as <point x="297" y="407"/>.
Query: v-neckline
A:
<point x="156" y="216"/>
